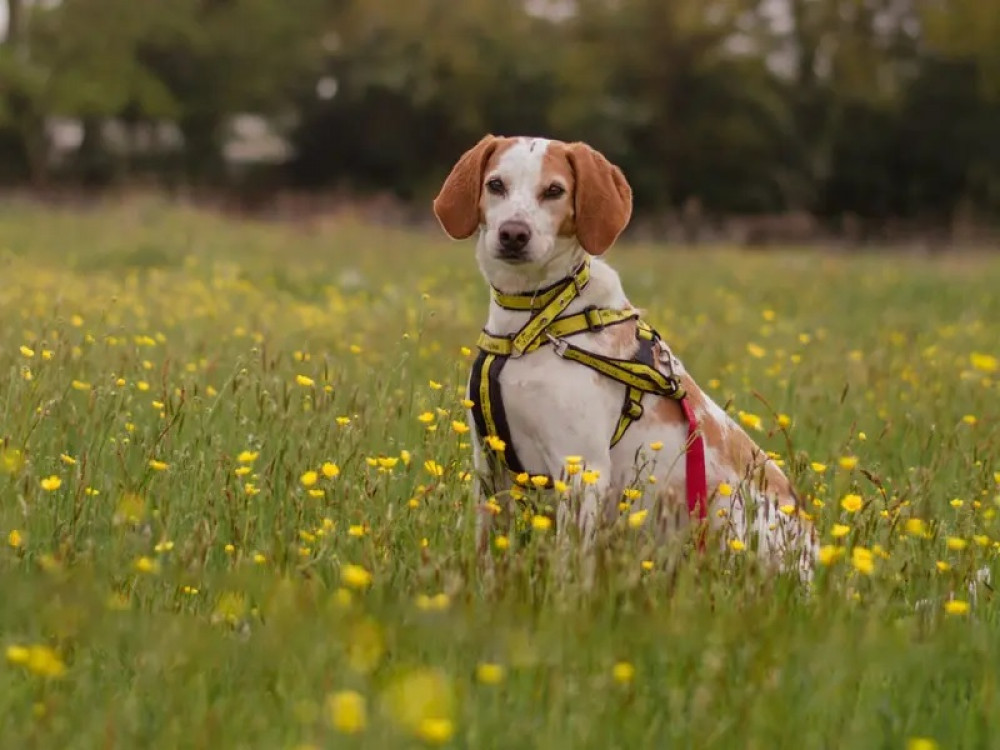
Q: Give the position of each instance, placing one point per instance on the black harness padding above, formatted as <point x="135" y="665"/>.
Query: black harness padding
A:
<point x="490" y="366"/>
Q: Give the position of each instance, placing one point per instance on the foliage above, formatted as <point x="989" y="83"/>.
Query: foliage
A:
<point x="235" y="506"/>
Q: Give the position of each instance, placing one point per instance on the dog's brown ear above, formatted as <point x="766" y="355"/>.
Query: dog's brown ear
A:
<point x="457" y="205"/>
<point x="603" y="201"/>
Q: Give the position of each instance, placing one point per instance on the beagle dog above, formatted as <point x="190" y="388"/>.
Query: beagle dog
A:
<point x="569" y="343"/>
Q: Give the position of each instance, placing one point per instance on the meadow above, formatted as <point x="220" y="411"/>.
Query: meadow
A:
<point x="236" y="508"/>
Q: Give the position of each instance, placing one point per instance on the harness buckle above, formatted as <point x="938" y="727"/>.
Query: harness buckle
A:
<point x="559" y="346"/>
<point x="593" y="317"/>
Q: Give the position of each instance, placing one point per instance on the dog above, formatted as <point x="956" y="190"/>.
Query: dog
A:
<point x="575" y="369"/>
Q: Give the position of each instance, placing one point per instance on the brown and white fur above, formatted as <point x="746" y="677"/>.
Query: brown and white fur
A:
<point x="566" y="201"/>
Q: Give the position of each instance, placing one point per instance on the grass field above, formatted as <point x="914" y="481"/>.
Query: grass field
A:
<point x="235" y="508"/>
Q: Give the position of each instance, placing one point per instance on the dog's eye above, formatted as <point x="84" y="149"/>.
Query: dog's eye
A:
<point x="495" y="186"/>
<point x="555" y="190"/>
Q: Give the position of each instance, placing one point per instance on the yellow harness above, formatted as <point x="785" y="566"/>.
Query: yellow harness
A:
<point x="547" y="326"/>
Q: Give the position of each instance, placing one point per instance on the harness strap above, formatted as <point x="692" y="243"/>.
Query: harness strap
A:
<point x="633" y="374"/>
<point x="536" y="325"/>
<point x="487" y="410"/>
<point x="536" y="300"/>
<point x="590" y="320"/>
<point x="694" y="465"/>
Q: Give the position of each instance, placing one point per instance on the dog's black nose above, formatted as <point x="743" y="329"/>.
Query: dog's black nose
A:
<point x="514" y="235"/>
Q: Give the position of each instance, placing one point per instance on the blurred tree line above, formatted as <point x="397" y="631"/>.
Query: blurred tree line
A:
<point x="868" y="108"/>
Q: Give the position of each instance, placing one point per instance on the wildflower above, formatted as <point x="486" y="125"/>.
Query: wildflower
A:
<point x="851" y="503"/>
<point x="435" y="731"/>
<point x="970" y="419"/>
<point x="18" y="655"/>
<point x="14" y="538"/>
<point x="490" y="674"/>
<point x="784" y="421"/>
<point x="354" y="349"/>
<point x="356" y="530"/>
<point x="501" y="543"/>
<point x="422" y="702"/>
<point x="656" y="445"/>
<point x="541" y="523"/>
<point x="433" y="468"/>
<point x="427" y="417"/>
<point x="817" y="467"/>
<point x="942" y="566"/>
<point x="756" y="351"/>
<point x="437" y="603"/>
<point x="981" y="539"/>
<point x="230" y="607"/>
<point x="839" y="530"/>
<point x="309" y="478"/>
<point x="435" y="386"/>
<point x="863" y="560"/>
<point x="468" y="403"/>
<point x="623" y="672"/>
<point x="44" y="662"/>
<point x="12" y="460"/>
<point x="146" y="565"/>
<point x="459" y="427"/>
<point x="346" y="711"/>
<point x="725" y="489"/>
<point x="591" y="476"/>
<point x="142" y="385"/>
<point x="330" y="470"/>
<point x="343" y="421"/>
<point x="560" y="486"/>
<point x="647" y="564"/>
<point x="540" y="481"/>
<point x="630" y="493"/>
<point x="51" y="483"/>
<point x="404" y="456"/>
<point x="956" y="543"/>
<point x="830" y="554"/>
<point x="158" y="465"/>
<point x="956" y="503"/>
<point x="916" y="527"/>
<point x="247" y="457"/>
<point x="305" y="381"/>
<point x="164" y="546"/>
<point x="921" y="743"/>
<point x="637" y="519"/>
<point x="67" y="459"/>
<point x="259" y="559"/>
<point x="847" y="462"/>
<point x="750" y="421"/>
<point x="355" y="576"/>
<point x="984" y="362"/>
<point x="956" y="607"/>
<point x="26" y="352"/>
<point x="242" y="471"/>
<point x="495" y="443"/>
<point x="465" y="351"/>
<point x="788" y="509"/>
<point x="229" y="549"/>
<point x="736" y="545"/>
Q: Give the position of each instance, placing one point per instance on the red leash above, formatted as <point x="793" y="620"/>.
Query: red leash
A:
<point x="697" y="481"/>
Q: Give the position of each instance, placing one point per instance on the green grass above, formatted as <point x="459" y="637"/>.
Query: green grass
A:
<point x="182" y="610"/>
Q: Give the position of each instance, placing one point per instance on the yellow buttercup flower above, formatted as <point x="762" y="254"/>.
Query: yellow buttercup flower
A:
<point x="851" y="503"/>
<point x="489" y="673"/>
<point x="355" y="576"/>
<point x="347" y="711"/>
<point x="51" y="483"/>
<point x="956" y="607"/>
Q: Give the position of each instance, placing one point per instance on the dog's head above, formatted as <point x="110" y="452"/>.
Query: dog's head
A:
<point x="536" y="203"/>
